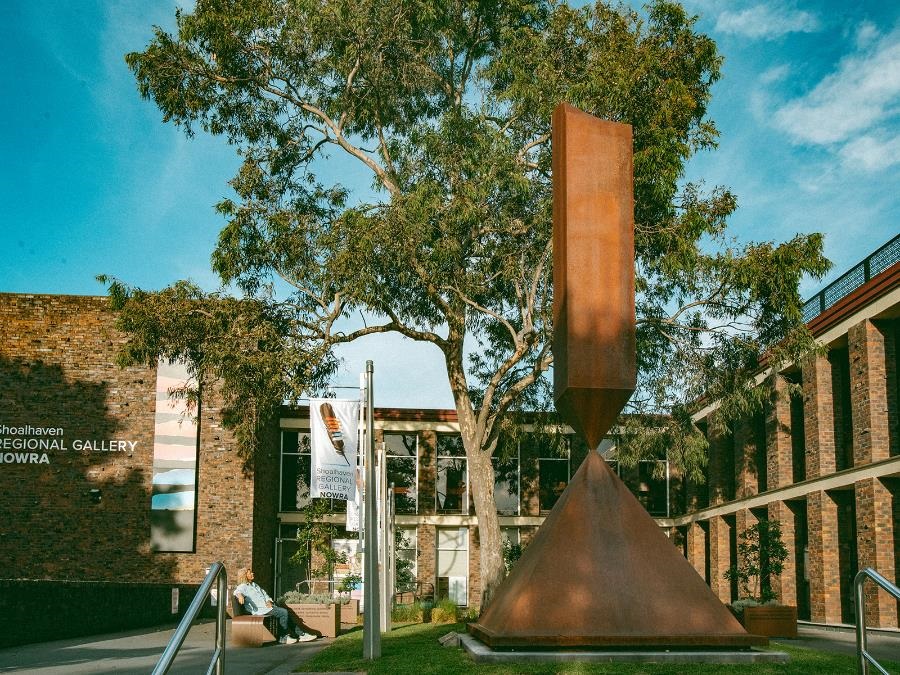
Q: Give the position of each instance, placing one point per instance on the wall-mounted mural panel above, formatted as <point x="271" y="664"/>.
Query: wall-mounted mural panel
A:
<point x="173" y="515"/>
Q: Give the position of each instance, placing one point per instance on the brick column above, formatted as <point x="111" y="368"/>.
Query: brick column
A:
<point x="784" y="585"/>
<point x="427" y="550"/>
<point x="875" y="547"/>
<point x="696" y="548"/>
<point x="745" y="475"/>
<point x="719" y="558"/>
<point x="868" y="393"/>
<point x="818" y="413"/>
<point x="743" y="519"/>
<point x="779" y="458"/>
<point x="720" y="468"/>
<point x="529" y="480"/>
<point x="824" y="559"/>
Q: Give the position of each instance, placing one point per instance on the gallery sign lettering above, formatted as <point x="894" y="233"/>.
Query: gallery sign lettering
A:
<point x="28" y="444"/>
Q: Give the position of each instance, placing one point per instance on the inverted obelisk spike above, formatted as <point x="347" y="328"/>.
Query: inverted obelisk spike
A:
<point x="595" y="363"/>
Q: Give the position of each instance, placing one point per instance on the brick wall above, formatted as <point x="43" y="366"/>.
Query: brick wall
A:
<point x="784" y="585"/>
<point x="869" y="392"/>
<point x="818" y="415"/>
<point x="779" y="456"/>
<point x="824" y="559"/>
<point x="57" y="369"/>
<point x="35" y="611"/>
<point x="719" y="557"/>
<point x="721" y="466"/>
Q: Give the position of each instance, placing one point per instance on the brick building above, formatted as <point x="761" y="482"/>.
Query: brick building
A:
<point x="823" y="458"/>
<point x="76" y="459"/>
<point x="77" y="475"/>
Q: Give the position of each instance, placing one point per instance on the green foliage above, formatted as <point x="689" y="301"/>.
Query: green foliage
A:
<point x="447" y="107"/>
<point x="298" y="598"/>
<point x="349" y="582"/>
<point x="314" y="539"/>
<point x="406" y="613"/>
<point x="470" y="614"/>
<point x="511" y="554"/>
<point x="403" y="575"/>
<point x="761" y="555"/>
<point x="445" y="611"/>
<point x="244" y="348"/>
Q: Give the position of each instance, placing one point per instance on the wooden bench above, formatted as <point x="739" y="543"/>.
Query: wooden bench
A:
<point x="248" y="630"/>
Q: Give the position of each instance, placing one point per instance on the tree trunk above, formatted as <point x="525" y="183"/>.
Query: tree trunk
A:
<point x="481" y="474"/>
<point x="481" y="478"/>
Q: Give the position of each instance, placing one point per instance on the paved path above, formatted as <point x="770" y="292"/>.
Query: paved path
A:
<point x="138" y="651"/>
<point x="882" y="644"/>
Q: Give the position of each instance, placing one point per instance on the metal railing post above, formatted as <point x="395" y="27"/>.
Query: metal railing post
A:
<point x="218" y="574"/>
<point x="863" y="658"/>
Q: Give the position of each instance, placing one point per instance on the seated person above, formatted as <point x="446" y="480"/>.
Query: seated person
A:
<point x="257" y="602"/>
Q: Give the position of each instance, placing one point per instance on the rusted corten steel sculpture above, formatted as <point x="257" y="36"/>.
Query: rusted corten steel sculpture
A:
<point x="599" y="572"/>
<point x="594" y="361"/>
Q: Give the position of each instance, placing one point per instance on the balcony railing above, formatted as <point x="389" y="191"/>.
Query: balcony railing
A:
<point x="849" y="281"/>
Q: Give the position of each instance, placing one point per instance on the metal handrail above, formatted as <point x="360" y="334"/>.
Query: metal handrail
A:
<point x="218" y="574"/>
<point x="862" y="655"/>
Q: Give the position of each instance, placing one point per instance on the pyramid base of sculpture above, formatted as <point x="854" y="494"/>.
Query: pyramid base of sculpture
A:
<point x="601" y="574"/>
<point x="481" y="653"/>
<point x="506" y="640"/>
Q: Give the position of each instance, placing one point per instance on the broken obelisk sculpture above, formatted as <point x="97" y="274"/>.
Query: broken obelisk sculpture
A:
<point x="599" y="572"/>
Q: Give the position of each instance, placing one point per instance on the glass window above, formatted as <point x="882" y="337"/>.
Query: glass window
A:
<point x="295" y="470"/>
<point x="509" y="536"/>
<point x="452" y="490"/>
<point x="651" y="492"/>
<point x="407" y="542"/>
<point x="553" y="469"/>
<point x="401" y="452"/>
<point x="296" y="473"/>
<point x="453" y="564"/>
<point x="506" y="484"/>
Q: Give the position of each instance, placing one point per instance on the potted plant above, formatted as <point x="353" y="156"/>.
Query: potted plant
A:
<point x="761" y="556"/>
<point x="315" y="613"/>
<point x="349" y="606"/>
<point x="321" y="612"/>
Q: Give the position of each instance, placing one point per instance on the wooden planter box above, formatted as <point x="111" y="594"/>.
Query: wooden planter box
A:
<point x="322" y="620"/>
<point x="350" y="611"/>
<point x="771" y="621"/>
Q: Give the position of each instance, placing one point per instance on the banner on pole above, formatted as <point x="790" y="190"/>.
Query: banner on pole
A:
<point x="354" y="509"/>
<point x="333" y="439"/>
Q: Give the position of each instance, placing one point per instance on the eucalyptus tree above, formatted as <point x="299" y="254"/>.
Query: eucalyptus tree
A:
<point x="446" y="105"/>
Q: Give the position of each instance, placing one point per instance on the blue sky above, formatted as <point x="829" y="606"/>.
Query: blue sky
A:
<point x="93" y="182"/>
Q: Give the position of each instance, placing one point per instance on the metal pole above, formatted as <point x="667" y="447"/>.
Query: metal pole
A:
<point x="668" y="483"/>
<point x="861" y="642"/>
<point x="383" y="569"/>
<point x="371" y="614"/>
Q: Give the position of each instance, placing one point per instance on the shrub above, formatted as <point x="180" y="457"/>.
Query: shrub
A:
<point x="761" y="556"/>
<point x="444" y="612"/>
<point x="298" y="598"/>
<point x="407" y="613"/>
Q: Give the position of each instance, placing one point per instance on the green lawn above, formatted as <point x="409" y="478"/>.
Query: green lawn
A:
<point x="414" y="649"/>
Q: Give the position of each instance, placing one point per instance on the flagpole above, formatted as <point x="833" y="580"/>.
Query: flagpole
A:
<point x="371" y="610"/>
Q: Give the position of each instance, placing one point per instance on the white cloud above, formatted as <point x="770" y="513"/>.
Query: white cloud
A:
<point x="775" y="74"/>
<point x="866" y="34"/>
<point x="853" y="109"/>
<point x="872" y="153"/>
<point x="766" y="22"/>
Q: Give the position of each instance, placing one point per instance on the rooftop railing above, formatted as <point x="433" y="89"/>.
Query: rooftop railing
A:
<point x="849" y="281"/>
